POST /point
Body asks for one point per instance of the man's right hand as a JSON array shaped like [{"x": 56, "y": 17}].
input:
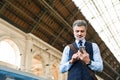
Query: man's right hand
[{"x": 75, "y": 57}]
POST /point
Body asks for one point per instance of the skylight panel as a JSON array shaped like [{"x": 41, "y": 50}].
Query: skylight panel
[{"x": 104, "y": 16}]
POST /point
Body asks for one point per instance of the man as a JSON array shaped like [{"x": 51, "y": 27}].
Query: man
[{"x": 90, "y": 56}]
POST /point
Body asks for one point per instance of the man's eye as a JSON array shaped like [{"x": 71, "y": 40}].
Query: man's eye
[
  {"x": 77, "y": 31},
  {"x": 82, "y": 30}
]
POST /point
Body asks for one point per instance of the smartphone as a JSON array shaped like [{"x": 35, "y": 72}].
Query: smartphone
[{"x": 81, "y": 48}]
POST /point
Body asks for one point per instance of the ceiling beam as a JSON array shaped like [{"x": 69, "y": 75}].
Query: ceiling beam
[
  {"x": 111, "y": 68},
  {"x": 37, "y": 23},
  {"x": 47, "y": 6}
]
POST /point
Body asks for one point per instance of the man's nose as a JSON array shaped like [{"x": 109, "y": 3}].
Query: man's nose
[{"x": 79, "y": 32}]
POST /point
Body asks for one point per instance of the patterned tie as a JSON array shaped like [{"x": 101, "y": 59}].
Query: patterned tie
[{"x": 80, "y": 43}]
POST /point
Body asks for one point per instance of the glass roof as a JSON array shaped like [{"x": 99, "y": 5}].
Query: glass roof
[{"x": 104, "y": 16}]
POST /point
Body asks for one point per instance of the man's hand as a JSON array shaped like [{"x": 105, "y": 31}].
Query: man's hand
[
  {"x": 75, "y": 57},
  {"x": 84, "y": 56}
]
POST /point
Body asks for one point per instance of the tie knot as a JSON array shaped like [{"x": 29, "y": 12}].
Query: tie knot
[{"x": 80, "y": 43}]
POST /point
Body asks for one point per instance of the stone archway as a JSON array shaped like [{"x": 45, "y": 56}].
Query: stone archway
[
  {"x": 37, "y": 66},
  {"x": 10, "y": 53},
  {"x": 55, "y": 72}
]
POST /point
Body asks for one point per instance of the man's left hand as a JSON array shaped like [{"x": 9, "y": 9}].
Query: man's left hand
[{"x": 84, "y": 56}]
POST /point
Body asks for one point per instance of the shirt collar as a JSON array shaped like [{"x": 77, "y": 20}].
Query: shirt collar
[{"x": 83, "y": 41}]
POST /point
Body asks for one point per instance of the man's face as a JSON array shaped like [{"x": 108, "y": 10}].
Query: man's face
[{"x": 79, "y": 32}]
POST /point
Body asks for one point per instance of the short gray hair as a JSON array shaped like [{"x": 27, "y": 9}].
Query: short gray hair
[{"x": 80, "y": 23}]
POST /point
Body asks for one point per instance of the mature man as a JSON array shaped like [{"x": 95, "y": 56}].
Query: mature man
[{"x": 80, "y": 64}]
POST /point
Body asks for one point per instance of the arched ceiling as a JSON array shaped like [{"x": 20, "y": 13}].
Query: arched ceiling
[{"x": 51, "y": 21}]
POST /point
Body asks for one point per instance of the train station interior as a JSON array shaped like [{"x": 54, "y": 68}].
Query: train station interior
[{"x": 33, "y": 34}]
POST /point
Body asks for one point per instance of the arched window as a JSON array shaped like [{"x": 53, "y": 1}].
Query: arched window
[
  {"x": 9, "y": 52},
  {"x": 55, "y": 72},
  {"x": 37, "y": 67}
]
